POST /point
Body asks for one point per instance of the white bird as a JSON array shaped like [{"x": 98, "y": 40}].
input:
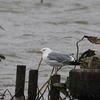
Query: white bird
[{"x": 56, "y": 58}]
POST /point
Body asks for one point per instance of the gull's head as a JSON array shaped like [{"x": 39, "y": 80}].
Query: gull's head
[{"x": 44, "y": 50}]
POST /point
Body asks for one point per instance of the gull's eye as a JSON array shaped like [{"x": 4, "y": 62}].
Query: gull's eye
[{"x": 43, "y": 49}]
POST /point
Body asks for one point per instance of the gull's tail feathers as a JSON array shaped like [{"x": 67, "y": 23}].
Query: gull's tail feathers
[{"x": 76, "y": 62}]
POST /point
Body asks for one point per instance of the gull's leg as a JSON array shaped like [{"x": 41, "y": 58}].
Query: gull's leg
[
  {"x": 56, "y": 68},
  {"x": 55, "y": 72}
]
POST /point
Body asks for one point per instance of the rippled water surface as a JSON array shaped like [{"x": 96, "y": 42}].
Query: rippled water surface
[{"x": 30, "y": 26}]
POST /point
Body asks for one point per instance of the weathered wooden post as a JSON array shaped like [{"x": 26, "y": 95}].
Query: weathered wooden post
[
  {"x": 20, "y": 81},
  {"x": 32, "y": 86},
  {"x": 84, "y": 84},
  {"x": 54, "y": 93}
]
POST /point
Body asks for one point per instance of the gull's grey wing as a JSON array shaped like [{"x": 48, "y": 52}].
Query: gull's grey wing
[{"x": 59, "y": 57}]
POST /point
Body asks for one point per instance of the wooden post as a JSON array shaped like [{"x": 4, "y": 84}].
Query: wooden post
[
  {"x": 32, "y": 86},
  {"x": 20, "y": 81},
  {"x": 54, "y": 93},
  {"x": 85, "y": 84}
]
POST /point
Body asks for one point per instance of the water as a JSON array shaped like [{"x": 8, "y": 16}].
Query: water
[{"x": 30, "y": 26}]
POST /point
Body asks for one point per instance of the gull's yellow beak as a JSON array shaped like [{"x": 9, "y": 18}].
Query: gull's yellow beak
[{"x": 38, "y": 51}]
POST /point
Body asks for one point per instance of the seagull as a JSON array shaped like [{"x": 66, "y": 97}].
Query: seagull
[{"x": 56, "y": 58}]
